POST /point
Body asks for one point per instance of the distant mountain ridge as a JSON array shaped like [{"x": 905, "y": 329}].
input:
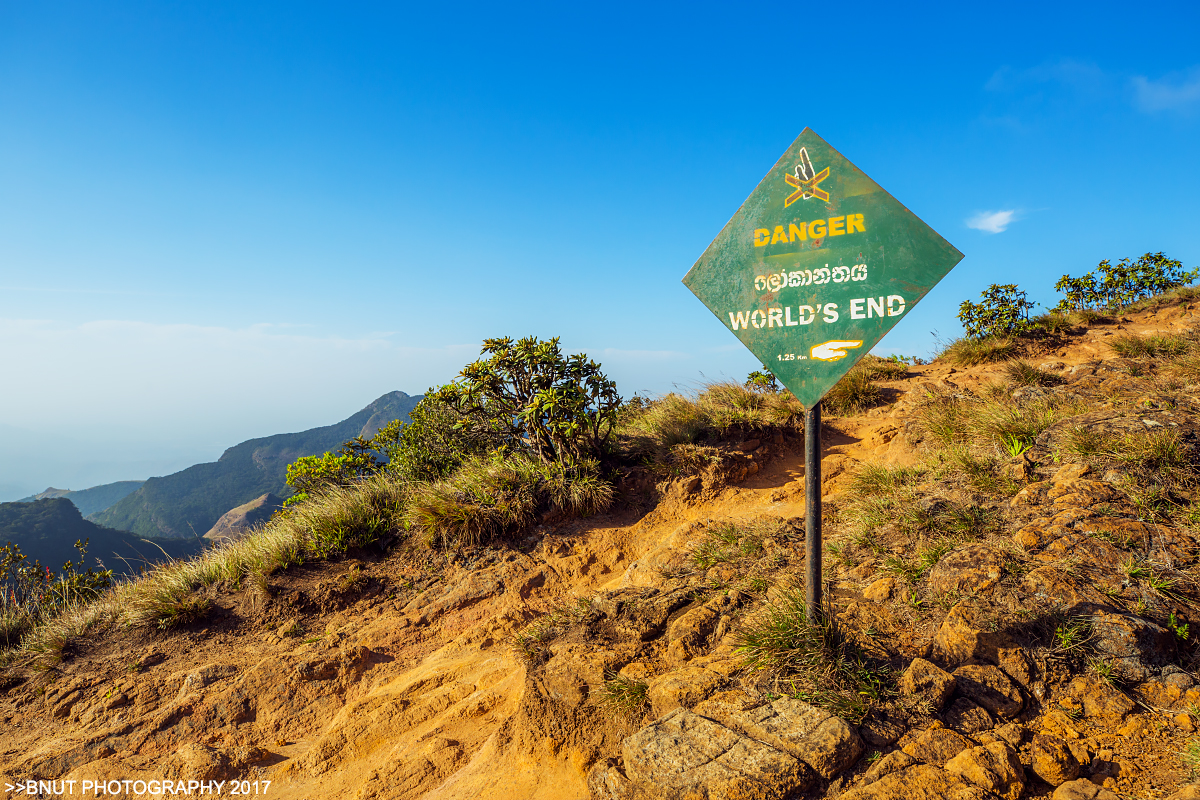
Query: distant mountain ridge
[
  {"x": 188, "y": 503},
  {"x": 89, "y": 501},
  {"x": 47, "y": 529}
]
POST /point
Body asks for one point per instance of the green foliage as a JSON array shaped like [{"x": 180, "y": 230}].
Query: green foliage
[
  {"x": 556, "y": 407},
  {"x": 1003, "y": 312},
  {"x": 725, "y": 543},
  {"x": 437, "y": 440},
  {"x": 762, "y": 381},
  {"x": 355, "y": 459},
  {"x": 31, "y": 592},
  {"x": 1114, "y": 286},
  {"x": 1129, "y": 345},
  {"x": 624, "y": 695},
  {"x": 968, "y": 352}
]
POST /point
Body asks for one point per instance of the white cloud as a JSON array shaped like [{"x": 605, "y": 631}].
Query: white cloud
[
  {"x": 1178, "y": 91},
  {"x": 992, "y": 221}
]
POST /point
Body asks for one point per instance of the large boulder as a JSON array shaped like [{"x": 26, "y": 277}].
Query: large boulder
[
  {"x": 935, "y": 746},
  {"x": 686, "y": 756},
  {"x": 1052, "y": 760},
  {"x": 826, "y": 743},
  {"x": 921, "y": 782},
  {"x": 1134, "y": 646}
]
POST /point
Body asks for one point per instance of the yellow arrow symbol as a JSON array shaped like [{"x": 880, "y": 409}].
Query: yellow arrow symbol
[{"x": 833, "y": 351}]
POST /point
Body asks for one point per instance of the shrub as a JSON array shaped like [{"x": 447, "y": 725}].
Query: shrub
[
  {"x": 762, "y": 380},
  {"x": 437, "y": 439},
  {"x": 1003, "y": 312},
  {"x": 31, "y": 593},
  {"x": 1114, "y": 286},
  {"x": 557, "y": 408}
]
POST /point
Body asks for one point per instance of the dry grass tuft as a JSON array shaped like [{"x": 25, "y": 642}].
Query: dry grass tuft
[{"x": 968, "y": 352}]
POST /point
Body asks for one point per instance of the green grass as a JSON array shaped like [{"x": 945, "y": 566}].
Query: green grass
[
  {"x": 727, "y": 542},
  {"x": 623, "y": 695},
  {"x": 1022, "y": 373},
  {"x": 1128, "y": 345},
  {"x": 968, "y": 352},
  {"x": 812, "y": 658}
]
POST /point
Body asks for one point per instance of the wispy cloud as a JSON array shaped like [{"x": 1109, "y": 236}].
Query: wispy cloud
[
  {"x": 992, "y": 221},
  {"x": 1081, "y": 76},
  {"x": 1177, "y": 91}
]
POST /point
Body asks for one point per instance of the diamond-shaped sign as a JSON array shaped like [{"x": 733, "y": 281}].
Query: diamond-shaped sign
[{"x": 816, "y": 266}]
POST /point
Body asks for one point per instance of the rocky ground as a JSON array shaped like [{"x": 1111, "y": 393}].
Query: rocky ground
[{"x": 1043, "y": 650}]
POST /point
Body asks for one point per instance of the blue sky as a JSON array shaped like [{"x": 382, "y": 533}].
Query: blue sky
[{"x": 225, "y": 220}]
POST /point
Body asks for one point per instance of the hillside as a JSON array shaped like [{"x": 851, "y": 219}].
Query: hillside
[
  {"x": 188, "y": 503},
  {"x": 47, "y": 529},
  {"x": 89, "y": 501},
  {"x": 1005, "y": 626}
]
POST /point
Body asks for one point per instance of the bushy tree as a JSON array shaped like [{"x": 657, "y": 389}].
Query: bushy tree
[
  {"x": 1114, "y": 286},
  {"x": 437, "y": 439},
  {"x": 1003, "y": 311},
  {"x": 559, "y": 408},
  {"x": 762, "y": 380},
  {"x": 354, "y": 460}
]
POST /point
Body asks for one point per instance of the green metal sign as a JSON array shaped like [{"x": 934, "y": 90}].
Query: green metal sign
[{"x": 816, "y": 266}]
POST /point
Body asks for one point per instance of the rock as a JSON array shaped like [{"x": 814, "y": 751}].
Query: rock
[
  {"x": 892, "y": 762},
  {"x": 989, "y": 687},
  {"x": 967, "y": 569},
  {"x": 1132, "y": 644},
  {"x": 880, "y": 591},
  {"x": 1011, "y": 732},
  {"x": 994, "y": 767},
  {"x": 826, "y": 743},
  {"x": 1101, "y": 701},
  {"x": 966, "y": 717},
  {"x": 197, "y": 762},
  {"x": 929, "y": 681},
  {"x": 936, "y": 745},
  {"x": 209, "y": 673},
  {"x": 1082, "y": 493},
  {"x": 920, "y": 782},
  {"x": 1016, "y": 665},
  {"x": 684, "y": 755},
  {"x": 682, "y": 687},
  {"x": 964, "y": 635},
  {"x": 688, "y": 635},
  {"x": 1083, "y": 789},
  {"x": 879, "y": 732},
  {"x": 1052, "y": 760},
  {"x": 1189, "y": 792},
  {"x": 1070, "y": 472}
]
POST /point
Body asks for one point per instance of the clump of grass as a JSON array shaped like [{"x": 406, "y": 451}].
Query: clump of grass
[
  {"x": 1128, "y": 345},
  {"x": 1190, "y": 755},
  {"x": 623, "y": 695},
  {"x": 532, "y": 642},
  {"x": 725, "y": 543},
  {"x": 854, "y": 393},
  {"x": 1022, "y": 373},
  {"x": 1052, "y": 322},
  {"x": 488, "y": 497},
  {"x": 968, "y": 352},
  {"x": 811, "y": 657},
  {"x": 653, "y": 429},
  {"x": 1084, "y": 443}
]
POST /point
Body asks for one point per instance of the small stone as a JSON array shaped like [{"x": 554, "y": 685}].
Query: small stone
[
  {"x": 1184, "y": 722},
  {"x": 994, "y": 767},
  {"x": 1070, "y": 472},
  {"x": 1052, "y": 760},
  {"x": 991, "y": 688},
  {"x": 927, "y": 680},
  {"x": 880, "y": 591}
]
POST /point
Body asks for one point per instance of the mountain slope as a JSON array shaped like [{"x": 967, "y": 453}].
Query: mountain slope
[
  {"x": 89, "y": 501},
  {"x": 188, "y": 503},
  {"x": 47, "y": 530}
]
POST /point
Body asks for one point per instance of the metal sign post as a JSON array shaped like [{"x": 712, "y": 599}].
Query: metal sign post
[{"x": 810, "y": 273}]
